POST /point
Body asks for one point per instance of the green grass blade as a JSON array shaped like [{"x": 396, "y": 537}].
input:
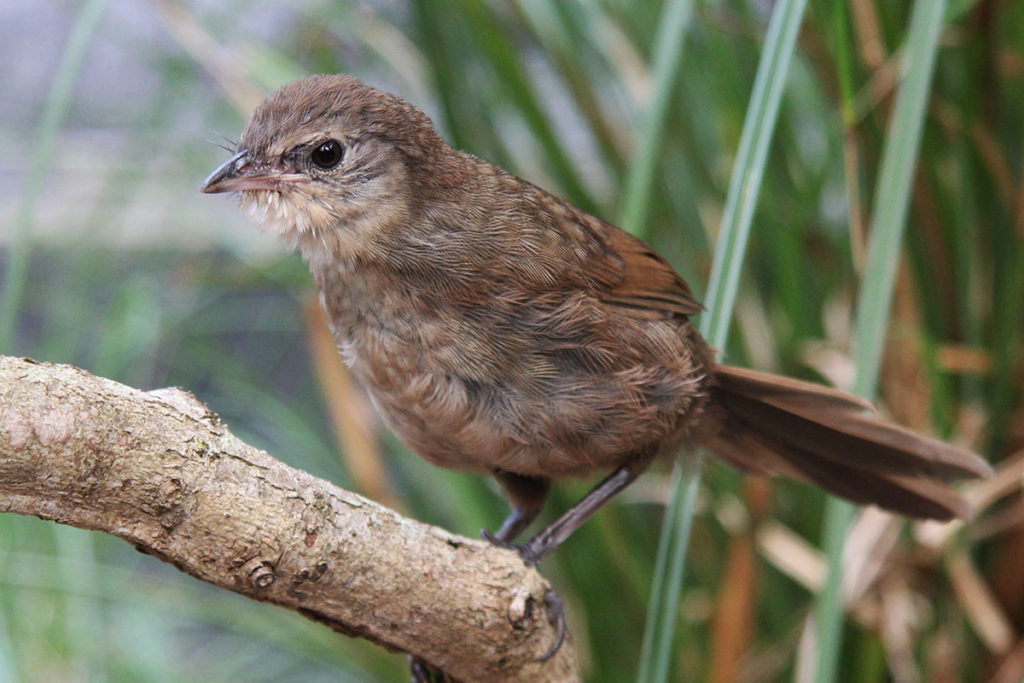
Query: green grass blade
[
  {"x": 744, "y": 188},
  {"x": 561, "y": 29},
  {"x": 659, "y": 629},
  {"x": 749, "y": 169},
  {"x": 668, "y": 53},
  {"x": 53, "y": 115},
  {"x": 892, "y": 199},
  {"x": 496, "y": 43}
]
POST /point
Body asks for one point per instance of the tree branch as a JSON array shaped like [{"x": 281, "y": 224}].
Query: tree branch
[{"x": 159, "y": 470}]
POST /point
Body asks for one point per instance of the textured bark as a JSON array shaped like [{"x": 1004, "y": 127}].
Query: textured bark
[{"x": 161, "y": 471}]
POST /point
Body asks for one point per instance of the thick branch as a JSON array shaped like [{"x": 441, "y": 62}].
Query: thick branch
[{"x": 159, "y": 470}]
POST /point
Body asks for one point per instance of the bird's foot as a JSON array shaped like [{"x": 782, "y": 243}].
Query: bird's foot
[
  {"x": 556, "y": 617},
  {"x": 496, "y": 539},
  {"x": 530, "y": 552},
  {"x": 421, "y": 672}
]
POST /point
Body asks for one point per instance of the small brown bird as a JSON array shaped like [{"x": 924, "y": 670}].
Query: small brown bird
[{"x": 501, "y": 330}]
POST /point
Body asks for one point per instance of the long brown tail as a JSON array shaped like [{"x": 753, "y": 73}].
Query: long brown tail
[{"x": 776, "y": 425}]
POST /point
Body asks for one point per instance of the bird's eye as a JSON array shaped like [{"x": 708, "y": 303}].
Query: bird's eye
[{"x": 327, "y": 154}]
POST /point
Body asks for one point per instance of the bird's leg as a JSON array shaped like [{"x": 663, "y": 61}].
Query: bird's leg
[
  {"x": 526, "y": 495},
  {"x": 553, "y": 534}
]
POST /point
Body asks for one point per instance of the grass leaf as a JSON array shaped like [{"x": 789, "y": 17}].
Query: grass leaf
[
  {"x": 892, "y": 201},
  {"x": 732, "y": 241}
]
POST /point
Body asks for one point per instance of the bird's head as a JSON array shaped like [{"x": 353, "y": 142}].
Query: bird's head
[{"x": 326, "y": 160}]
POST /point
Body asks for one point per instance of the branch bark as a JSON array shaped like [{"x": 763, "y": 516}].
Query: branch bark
[{"x": 161, "y": 471}]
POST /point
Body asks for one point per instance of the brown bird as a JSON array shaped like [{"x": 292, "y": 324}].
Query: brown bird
[{"x": 499, "y": 329}]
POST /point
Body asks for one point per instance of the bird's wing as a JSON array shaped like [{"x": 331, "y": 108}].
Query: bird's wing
[{"x": 647, "y": 286}]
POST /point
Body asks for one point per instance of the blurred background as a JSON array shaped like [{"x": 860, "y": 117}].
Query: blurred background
[{"x": 113, "y": 113}]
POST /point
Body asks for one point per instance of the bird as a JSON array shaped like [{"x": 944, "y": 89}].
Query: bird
[{"x": 502, "y": 330}]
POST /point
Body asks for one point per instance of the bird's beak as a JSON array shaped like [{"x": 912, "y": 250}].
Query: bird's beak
[{"x": 239, "y": 173}]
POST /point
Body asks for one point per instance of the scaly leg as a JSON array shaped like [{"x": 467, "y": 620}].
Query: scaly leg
[
  {"x": 526, "y": 495},
  {"x": 553, "y": 534}
]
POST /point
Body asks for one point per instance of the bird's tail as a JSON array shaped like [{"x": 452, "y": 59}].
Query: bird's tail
[{"x": 776, "y": 425}]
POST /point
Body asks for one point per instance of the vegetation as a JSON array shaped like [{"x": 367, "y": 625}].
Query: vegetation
[{"x": 643, "y": 127}]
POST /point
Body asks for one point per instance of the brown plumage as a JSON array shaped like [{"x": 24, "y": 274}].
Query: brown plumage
[{"x": 502, "y": 330}]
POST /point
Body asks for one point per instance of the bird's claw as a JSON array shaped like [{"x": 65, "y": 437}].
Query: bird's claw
[
  {"x": 556, "y": 617},
  {"x": 421, "y": 672},
  {"x": 552, "y": 603},
  {"x": 527, "y": 552},
  {"x": 494, "y": 539},
  {"x": 530, "y": 554}
]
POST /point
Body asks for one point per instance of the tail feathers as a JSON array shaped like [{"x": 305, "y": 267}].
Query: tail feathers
[{"x": 777, "y": 425}]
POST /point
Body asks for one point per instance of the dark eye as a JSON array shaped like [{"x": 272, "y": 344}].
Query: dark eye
[{"x": 327, "y": 154}]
